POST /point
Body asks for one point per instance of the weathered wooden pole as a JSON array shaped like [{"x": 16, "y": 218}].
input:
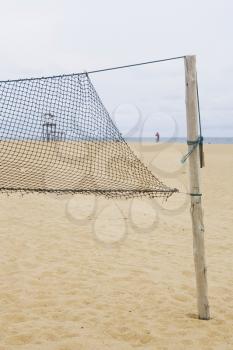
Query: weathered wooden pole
[{"x": 196, "y": 207}]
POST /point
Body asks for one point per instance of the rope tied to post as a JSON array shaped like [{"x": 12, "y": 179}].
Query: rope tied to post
[{"x": 198, "y": 141}]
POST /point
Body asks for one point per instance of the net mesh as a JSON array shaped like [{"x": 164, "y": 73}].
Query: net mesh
[{"x": 57, "y": 136}]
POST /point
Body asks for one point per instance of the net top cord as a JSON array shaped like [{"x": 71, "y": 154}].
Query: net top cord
[
  {"x": 98, "y": 70},
  {"x": 57, "y": 136}
]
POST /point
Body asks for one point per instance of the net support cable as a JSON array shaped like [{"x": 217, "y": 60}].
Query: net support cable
[{"x": 99, "y": 70}]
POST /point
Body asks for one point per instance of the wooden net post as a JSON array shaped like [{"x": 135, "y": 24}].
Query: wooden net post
[{"x": 196, "y": 207}]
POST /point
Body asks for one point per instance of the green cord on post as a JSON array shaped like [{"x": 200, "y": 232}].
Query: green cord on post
[{"x": 200, "y": 139}]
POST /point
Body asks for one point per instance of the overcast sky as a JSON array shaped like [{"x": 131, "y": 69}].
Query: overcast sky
[{"x": 47, "y": 37}]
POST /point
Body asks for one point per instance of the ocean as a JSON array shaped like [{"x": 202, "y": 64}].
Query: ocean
[{"x": 207, "y": 140}]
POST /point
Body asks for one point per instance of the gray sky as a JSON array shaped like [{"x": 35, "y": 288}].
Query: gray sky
[{"x": 47, "y": 37}]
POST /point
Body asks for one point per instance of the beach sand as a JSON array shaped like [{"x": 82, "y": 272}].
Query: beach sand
[{"x": 85, "y": 273}]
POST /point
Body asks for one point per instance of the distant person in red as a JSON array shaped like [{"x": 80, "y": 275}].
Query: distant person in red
[{"x": 157, "y": 136}]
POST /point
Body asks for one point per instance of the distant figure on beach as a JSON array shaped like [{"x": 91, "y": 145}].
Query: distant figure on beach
[{"x": 157, "y": 136}]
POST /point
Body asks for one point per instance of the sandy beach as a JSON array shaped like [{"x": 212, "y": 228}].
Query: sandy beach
[{"x": 85, "y": 273}]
